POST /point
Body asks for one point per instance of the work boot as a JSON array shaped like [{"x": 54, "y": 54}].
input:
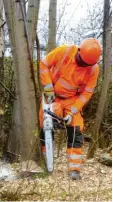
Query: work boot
[{"x": 74, "y": 175}]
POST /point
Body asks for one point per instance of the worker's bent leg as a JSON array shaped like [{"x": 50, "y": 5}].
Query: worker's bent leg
[
  {"x": 74, "y": 148},
  {"x": 75, "y": 143}
]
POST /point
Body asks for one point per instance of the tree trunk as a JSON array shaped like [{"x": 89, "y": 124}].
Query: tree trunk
[
  {"x": 14, "y": 140},
  {"x": 1, "y": 32},
  {"x": 26, "y": 88},
  {"x": 32, "y": 24},
  {"x": 105, "y": 25},
  {"x": 52, "y": 25},
  {"x": 107, "y": 75},
  {"x": 32, "y": 18},
  {"x": 1, "y": 67}
]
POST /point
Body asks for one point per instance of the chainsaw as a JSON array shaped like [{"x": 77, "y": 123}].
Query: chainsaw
[{"x": 50, "y": 122}]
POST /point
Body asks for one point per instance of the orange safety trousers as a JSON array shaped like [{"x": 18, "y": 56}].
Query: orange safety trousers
[{"x": 74, "y": 154}]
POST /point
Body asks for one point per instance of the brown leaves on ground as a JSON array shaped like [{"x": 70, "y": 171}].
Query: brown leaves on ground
[{"x": 95, "y": 184}]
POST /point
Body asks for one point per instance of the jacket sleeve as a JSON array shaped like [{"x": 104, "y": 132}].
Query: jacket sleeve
[
  {"x": 50, "y": 60},
  {"x": 85, "y": 96}
]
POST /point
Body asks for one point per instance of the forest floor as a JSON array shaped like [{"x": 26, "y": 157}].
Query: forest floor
[{"x": 95, "y": 185}]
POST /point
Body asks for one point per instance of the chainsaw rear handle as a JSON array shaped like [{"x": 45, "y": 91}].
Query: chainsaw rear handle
[{"x": 55, "y": 116}]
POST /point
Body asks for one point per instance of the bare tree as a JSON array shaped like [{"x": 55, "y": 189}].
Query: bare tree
[
  {"x": 23, "y": 76},
  {"x": 32, "y": 18},
  {"x": 1, "y": 32},
  {"x": 31, "y": 23},
  {"x": 1, "y": 63},
  {"x": 52, "y": 25},
  {"x": 107, "y": 76}
]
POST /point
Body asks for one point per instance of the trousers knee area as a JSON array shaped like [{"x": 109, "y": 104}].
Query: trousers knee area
[{"x": 75, "y": 137}]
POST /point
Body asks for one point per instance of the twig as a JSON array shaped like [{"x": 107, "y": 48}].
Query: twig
[
  {"x": 7, "y": 90},
  {"x": 2, "y": 25}
]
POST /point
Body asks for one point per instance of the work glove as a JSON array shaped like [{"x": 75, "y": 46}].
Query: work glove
[
  {"x": 49, "y": 94},
  {"x": 69, "y": 116},
  {"x": 68, "y": 119}
]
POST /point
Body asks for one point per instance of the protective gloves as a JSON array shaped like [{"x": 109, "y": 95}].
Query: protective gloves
[
  {"x": 68, "y": 119},
  {"x": 49, "y": 93}
]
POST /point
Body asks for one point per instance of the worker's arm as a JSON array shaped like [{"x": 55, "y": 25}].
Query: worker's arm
[
  {"x": 84, "y": 97},
  {"x": 50, "y": 60}
]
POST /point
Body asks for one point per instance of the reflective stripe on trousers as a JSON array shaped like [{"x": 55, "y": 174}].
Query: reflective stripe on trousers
[{"x": 75, "y": 161}]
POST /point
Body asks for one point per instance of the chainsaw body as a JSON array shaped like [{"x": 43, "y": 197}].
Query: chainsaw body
[{"x": 47, "y": 128}]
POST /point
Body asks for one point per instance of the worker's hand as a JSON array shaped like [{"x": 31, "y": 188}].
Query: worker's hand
[
  {"x": 49, "y": 93},
  {"x": 68, "y": 119},
  {"x": 50, "y": 99}
]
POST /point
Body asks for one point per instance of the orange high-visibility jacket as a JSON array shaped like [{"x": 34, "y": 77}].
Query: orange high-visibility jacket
[{"x": 60, "y": 70}]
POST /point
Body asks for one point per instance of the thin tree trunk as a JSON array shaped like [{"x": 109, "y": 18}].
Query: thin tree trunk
[
  {"x": 1, "y": 66},
  {"x": 105, "y": 25},
  {"x": 30, "y": 51},
  {"x": 26, "y": 88},
  {"x": 32, "y": 18},
  {"x": 52, "y": 25},
  {"x": 14, "y": 140},
  {"x": 1, "y": 32},
  {"x": 32, "y": 15},
  {"x": 107, "y": 75}
]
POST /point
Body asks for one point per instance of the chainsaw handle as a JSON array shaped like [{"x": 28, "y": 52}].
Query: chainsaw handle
[{"x": 53, "y": 115}]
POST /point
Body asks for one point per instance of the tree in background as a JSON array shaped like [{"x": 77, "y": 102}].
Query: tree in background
[
  {"x": 68, "y": 32},
  {"x": 107, "y": 58},
  {"x": 32, "y": 19},
  {"x": 24, "y": 77},
  {"x": 1, "y": 65},
  {"x": 89, "y": 26},
  {"x": 52, "y": 25}
]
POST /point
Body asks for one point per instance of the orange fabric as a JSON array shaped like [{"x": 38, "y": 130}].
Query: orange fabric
[
  {"x": 74, "y": 163},
  {"x": 57, "y": 109},
  {"x": 66, "y": 105},
  {"x": 74, "y": 151},
  {"x": 72, "y": 169},
  {"x": 71, "y": 78},
  {"x": 90, "y": 51},
  {"x": 85, "y": 94},
  {"x": 43, "y": 149},
  {"x": 47, "y": 64}
]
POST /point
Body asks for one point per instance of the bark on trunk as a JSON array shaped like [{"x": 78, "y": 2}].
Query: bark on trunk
[
  {"x": 32, "y": 18},
  {"x": 14, "y": 140},
  {"x": 26, "y": 88},
  {"x": 52, "y": 25},
  {"x": 1, "y": 66},
  {"x": 107, "y": 75}
]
